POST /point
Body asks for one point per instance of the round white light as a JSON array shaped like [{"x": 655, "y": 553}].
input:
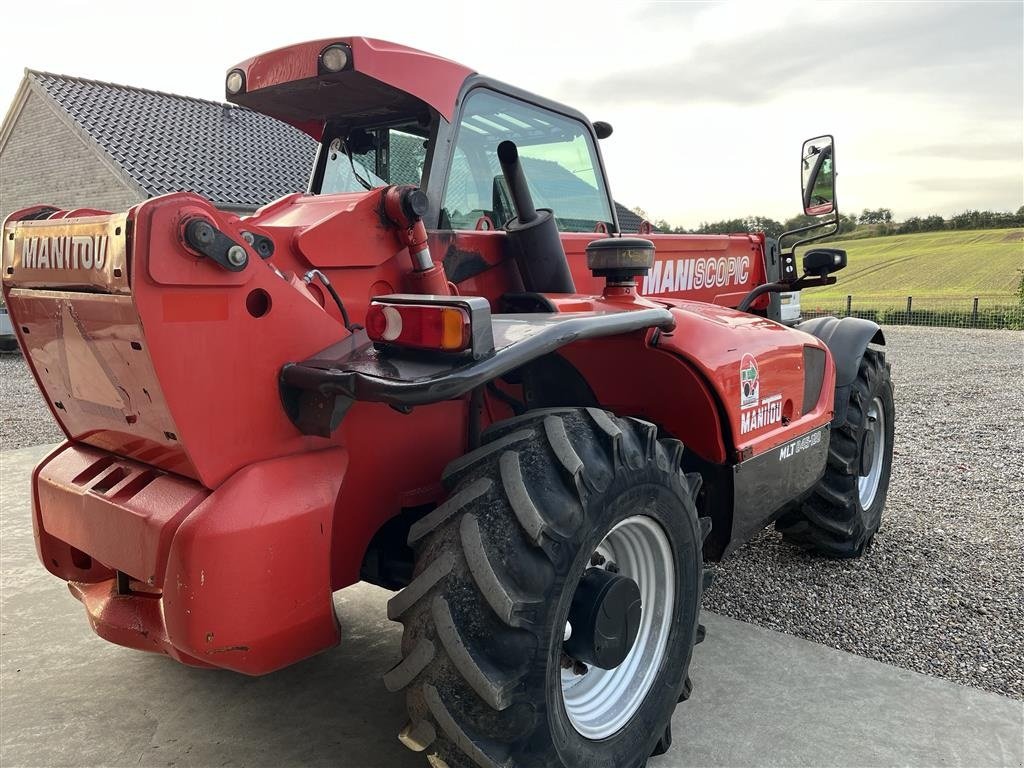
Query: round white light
[
  {"x": 334, "y": 58},
  {"x": 393, "y": 328},
  {"x": 235, "y": 81}
]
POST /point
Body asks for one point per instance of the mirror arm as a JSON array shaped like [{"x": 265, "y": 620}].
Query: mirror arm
[
  {"x": 799, "y": 284},
  {"x": 807, "y": 281},
  {"x": 792, "y": 248},
  {"x": 835, "y": 228}
]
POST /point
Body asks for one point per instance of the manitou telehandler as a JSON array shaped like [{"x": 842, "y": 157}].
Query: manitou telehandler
[{"x": 441, "y": 369}]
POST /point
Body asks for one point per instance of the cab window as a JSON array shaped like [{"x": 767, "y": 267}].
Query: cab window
[
  {"x": 558, "y": 157},
  {"x": 365, "y": 159}
]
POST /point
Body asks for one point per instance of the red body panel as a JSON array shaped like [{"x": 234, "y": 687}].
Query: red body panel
[
  {"x": 715, "y": 340},
  {"x": 736, "y": 264},
  {"x": 180, "y": 376},
  {"x": 237, "y": 578},
  {"x": 122, "y": 513},
  {"x": 430, "y": 78},
  {"x": 183, "y": 473}
]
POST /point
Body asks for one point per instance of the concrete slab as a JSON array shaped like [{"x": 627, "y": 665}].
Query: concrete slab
[{"x": 761, "y": 698}]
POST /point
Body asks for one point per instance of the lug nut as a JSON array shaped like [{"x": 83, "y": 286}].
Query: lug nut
[
  {"x": 597, "y": 559},
  {"x": 237, "y": 256}
]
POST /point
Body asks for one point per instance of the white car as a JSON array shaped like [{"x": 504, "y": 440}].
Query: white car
[
  {"x": 7, "y": 340},
  {"x": 790, "y": 302}
]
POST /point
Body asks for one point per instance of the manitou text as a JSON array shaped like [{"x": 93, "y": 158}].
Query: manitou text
[{"x": 70, "y": 252}]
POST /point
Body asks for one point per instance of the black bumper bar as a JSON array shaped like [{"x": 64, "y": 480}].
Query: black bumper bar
[{"x": 317, "y": 392}]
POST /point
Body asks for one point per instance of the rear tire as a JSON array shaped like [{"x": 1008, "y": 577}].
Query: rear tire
[
  {"x": 496, "y": 569},
  {"x": 844, "y": 511}
]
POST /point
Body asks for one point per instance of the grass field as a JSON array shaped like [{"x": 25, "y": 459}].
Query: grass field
[{"x": 936, "y": 268}]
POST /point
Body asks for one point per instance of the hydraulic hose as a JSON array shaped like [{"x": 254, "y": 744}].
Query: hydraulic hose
[
  {"x": 316, "y": 273},
  {"x": 761, "y": 290}
]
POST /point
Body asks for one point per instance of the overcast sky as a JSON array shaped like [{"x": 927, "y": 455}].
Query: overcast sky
[{"x": 710, "y": 101}]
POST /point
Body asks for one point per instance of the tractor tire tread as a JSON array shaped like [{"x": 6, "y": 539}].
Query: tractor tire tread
[
  {"x": 486, "y": 567},
  {"x": 830, "y": 521}
]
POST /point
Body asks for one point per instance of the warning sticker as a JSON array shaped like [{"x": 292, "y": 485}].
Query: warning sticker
[{"x": 750, "y": 389}]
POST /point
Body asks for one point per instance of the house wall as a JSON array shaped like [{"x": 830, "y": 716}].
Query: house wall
[{"x": 45, "y": 161}]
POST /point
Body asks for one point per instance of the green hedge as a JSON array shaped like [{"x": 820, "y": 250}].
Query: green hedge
[{"x": 1007, "y": 317}]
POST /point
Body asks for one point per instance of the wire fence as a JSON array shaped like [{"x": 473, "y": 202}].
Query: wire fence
[{"x": 938, "y": 311}]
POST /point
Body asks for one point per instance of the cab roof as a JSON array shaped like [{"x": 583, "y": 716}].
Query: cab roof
[{"x": 381, "y": 79}]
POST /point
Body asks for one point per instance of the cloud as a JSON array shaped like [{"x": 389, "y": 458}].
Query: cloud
[
  {"x": 1000, "y": 151},
  {"x": 968, "y": 55},
  {"x": 1004, "y": 187}
]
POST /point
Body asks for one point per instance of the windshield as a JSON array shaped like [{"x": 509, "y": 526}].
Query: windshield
[
  {"x": 558, "y": 157},
  {"x": 370, "y": 158}
]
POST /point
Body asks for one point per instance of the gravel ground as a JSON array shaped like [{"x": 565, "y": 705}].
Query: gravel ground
[
  {"x": 940, "y": 590},
  {"x": 24, "y": 419}
]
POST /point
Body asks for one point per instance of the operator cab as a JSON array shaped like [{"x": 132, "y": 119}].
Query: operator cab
[
  {"x": 558, "y": 154},
  {"x": 386, "y": 114}
]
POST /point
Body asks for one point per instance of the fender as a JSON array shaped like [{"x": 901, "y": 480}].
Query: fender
[
  {"x": 316, "y": 393},
  {"x": 847, "y": 339}
]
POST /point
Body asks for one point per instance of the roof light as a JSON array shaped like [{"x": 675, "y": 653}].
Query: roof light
[
  {"x": 422, "y": 326},
  {"x": 235, "y": 81},
  {"x": 334, "y": 58}
]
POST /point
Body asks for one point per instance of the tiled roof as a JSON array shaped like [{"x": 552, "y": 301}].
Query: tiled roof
[
  {"x": 628, "y": 221},
  {"x": 168, "y": 143},
  {"x": 228, "y": 154}
]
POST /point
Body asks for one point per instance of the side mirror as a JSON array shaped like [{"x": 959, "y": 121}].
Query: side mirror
[
  {"x": 819, "y": 262},
  {"x": 818, "y": 176}
]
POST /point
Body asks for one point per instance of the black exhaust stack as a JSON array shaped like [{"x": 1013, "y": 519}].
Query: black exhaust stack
[{"x": 533, "y": 234}]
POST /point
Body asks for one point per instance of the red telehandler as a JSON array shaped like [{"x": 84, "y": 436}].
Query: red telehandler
[{"x": 442, "y": 369}]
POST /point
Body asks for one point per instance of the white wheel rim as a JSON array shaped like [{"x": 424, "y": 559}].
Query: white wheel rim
[
  {"x": 600, "y": 702},
  {"x": 867, "y": 486}
]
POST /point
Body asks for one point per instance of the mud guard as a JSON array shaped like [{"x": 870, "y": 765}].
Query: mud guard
[
  {"x": 317, "y": 392},
  {"x": 847, "y": 338}
]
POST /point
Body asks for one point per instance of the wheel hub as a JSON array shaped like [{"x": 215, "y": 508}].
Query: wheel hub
[
  {"x": 600, "y": 701},
  {"x": 867, "y": 453},
  {"x": 605, "y": 618},
  {"x": 872, "y": 454}
]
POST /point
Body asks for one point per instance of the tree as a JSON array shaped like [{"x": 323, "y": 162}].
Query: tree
[
  {"x": 847, "y": 223},
  {"x": 878, "y": 216},
  {"x": 770, "y": 227},
  {"x": 913, "y": 224},
  {"x": 726, "y": 227},
  {"x": 800, "y": 220}
]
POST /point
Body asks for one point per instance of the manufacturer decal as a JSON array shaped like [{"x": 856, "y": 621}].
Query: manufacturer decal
[
  {"x": 799, "y": 445},
  {"x": 768, "y": 412},
  {"x": 677, "y": 275},
  {"x": 71, "y": 252},
  {"x": 750, "y": 388}
]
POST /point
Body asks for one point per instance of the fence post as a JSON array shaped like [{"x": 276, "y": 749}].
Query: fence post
[
  {"x": 849, "y": 300},
  {"x": 974, "y": 314},
  {"x": 910, "y": 303}
]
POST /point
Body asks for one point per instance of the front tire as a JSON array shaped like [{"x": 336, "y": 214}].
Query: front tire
[
  {"x": 844, "y": 511},
  {"x": 549, "y": 496}
]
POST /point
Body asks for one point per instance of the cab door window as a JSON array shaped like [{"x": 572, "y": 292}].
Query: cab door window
[
  {"x": 558, "y": 157},
  {"x": 366, "y": 159}
]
